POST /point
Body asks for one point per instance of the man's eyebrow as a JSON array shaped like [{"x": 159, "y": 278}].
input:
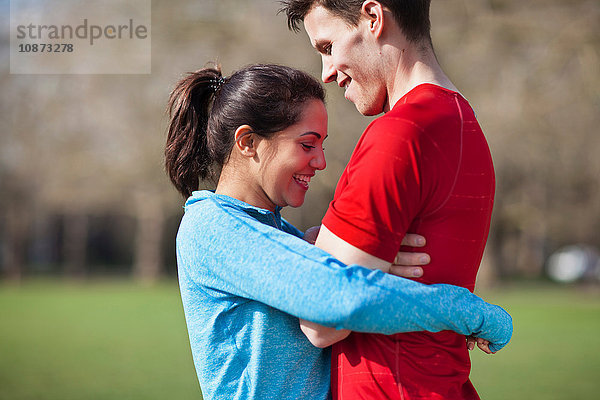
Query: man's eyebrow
[{"x": 320, "y": 45}]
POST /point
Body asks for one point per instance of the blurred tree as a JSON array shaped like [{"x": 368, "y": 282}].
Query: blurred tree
[
  {"x": 79, "y": 146},
  {"x": 529, "y": 69}
]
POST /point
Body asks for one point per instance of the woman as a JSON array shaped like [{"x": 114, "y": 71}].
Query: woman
[{"x": 245, "y": 274}]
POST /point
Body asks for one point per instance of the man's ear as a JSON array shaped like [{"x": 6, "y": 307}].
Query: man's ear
[
  {"x": 245, "y": 141},
  {"x": 373, "y": 11}
]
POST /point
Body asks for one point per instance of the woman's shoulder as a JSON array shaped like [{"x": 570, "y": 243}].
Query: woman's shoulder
[
  {"x": 209, "y": 209},
  {"x": 291, "y": 229}
]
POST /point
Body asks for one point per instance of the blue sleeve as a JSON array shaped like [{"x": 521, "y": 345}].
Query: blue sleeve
[{"x": 224, "y": 249}]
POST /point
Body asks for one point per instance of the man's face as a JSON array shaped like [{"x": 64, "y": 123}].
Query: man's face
[{"x": 350, "y": 58}]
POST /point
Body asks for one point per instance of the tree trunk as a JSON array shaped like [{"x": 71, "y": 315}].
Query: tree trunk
[
  {"x": 147, "y": 266},
  {"x": 16, "y": 226},
  {"x": 75, "y": 244}
]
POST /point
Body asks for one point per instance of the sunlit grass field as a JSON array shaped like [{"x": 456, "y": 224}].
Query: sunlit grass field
[{"x": 118, "y": 340}]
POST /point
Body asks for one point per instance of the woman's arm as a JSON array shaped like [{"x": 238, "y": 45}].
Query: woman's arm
[
  {"x": 405, "y": 265},
  {"x": 322, "y": 336},
  {"x": 224, "y": 249}
]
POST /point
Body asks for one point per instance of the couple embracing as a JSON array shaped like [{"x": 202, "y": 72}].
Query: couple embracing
[{"x": 271, "y": 315}]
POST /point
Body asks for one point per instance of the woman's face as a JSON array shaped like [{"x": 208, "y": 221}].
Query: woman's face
[{"x": 289, "y": 160}]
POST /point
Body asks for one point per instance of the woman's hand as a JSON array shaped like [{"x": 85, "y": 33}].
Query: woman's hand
[
  {"x": 311, "y": 234},
  {"x": 407, "y": 264},
  {"x": 481, "y": 343}
]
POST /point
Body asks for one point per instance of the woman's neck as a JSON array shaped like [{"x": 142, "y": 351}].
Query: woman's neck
[{"x": 234, "y": 182}]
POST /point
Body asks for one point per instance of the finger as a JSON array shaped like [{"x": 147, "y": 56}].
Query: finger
[
  {"x": 485, "y": 347},
  {"x": 412, "y": 259},
  {"x": 311, "y": 234},
  {"x": 470, "y": 342},
  {"x": 406, "y": 272},
  {"x": 413, "y": 240}
]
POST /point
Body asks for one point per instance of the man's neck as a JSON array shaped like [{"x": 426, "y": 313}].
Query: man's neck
[{"x": 415, "y": 67}]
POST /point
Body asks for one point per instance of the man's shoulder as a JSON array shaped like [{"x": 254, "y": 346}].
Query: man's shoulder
[
  {"x": 425, "y": 103},
  {"x": 404, "y": 122},
  {"x": 421, "y": 112}
]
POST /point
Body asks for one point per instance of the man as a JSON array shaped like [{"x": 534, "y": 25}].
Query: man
[{"x": 423, "y": 167}]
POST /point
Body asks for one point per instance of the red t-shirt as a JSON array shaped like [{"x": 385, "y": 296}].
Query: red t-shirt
[{"x": 424, "y": 167}]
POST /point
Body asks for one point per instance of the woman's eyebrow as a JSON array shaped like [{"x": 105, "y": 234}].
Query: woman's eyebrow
[{"x": 318, "y": 135}]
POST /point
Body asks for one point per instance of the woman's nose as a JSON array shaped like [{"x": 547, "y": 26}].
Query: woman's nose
[{"x": 318, "y": 162}]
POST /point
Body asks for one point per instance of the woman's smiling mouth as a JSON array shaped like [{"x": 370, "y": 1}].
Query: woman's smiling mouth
[{"x": 302, "y": 180}]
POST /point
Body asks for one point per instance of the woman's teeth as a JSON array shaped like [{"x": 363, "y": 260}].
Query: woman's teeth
[{"x": 304, "y": 180}]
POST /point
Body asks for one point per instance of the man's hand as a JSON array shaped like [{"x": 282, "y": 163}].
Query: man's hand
[{"x": 407, "y": 264}]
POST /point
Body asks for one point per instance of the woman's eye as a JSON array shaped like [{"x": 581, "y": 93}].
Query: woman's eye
[
  {"x": 327, "y": 49},
  {"x": 307, "y": 147}
]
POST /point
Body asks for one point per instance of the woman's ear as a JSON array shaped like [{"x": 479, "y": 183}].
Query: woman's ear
[{"x": 245, "y": 141}]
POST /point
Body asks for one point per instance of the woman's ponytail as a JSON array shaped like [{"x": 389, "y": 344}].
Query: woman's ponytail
[{"x": 187, "y": 156}]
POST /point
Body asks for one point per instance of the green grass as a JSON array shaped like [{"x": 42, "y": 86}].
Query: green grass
[
  {"x": 555, "y": 350},
  {"x": 118, "y": 340},
  {"x": 94, "y": 341}
]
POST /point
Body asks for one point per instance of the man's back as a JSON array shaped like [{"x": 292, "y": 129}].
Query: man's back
[{"x": 424, "y": 168}]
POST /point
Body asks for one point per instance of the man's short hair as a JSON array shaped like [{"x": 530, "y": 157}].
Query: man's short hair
[{"x": 411, "y": 15}]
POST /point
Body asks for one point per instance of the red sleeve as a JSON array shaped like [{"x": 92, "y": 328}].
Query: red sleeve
[{"x": 380, "y": 191}]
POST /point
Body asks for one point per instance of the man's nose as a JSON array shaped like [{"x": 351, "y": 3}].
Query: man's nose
[{"x": 329, "y": 73}]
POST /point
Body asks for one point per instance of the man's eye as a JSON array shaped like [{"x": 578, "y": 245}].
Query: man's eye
[{"x": 307, "y": 147}]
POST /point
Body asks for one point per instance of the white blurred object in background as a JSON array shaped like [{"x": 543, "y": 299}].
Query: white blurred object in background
[{"x": 574, "y": 263}]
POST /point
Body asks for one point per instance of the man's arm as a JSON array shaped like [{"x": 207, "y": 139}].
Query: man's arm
[
  {"x": 347, "y": 253},
  {"x": 406, "y": 264}
]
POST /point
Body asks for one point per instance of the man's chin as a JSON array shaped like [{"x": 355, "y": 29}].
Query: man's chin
[
  {"x": 369, "y": 108},
  {"x": 368, "y": 111}
]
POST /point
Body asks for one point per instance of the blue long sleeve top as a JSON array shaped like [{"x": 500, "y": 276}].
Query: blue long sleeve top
[{"x": 246, "y": 276}]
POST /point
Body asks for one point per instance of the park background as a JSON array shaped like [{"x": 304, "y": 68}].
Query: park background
[{"x": 89, "y": 305}]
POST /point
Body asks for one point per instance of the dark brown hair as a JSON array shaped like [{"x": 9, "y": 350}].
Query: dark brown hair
[
  {"x": 411, "y": 15},
  {"x": 205, "y": 109}
]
